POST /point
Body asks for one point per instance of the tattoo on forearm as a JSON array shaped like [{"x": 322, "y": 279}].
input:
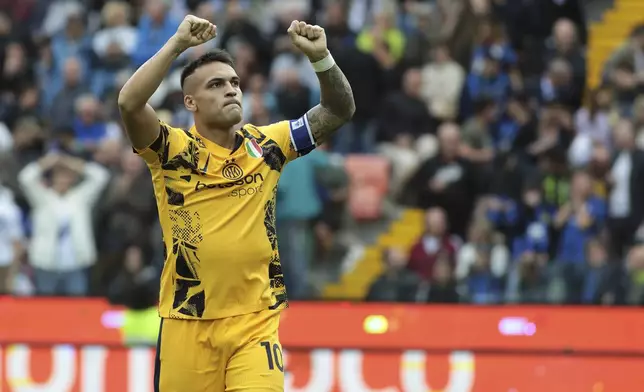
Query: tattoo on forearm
[{"x": 336, "y": 105}]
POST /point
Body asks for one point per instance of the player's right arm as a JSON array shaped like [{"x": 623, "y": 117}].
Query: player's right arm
[{"x": 139, "y": 118}]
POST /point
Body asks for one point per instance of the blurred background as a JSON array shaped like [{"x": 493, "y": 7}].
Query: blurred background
[{"x": 495, "y": 155}]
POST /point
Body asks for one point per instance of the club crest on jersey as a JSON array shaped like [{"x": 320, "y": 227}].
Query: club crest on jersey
[
  {"x": 253, "y": 149},
  {"x": 232, "y": 171}
]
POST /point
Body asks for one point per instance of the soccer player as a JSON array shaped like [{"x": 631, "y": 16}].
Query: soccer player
[{"x": 222, "y": 287}]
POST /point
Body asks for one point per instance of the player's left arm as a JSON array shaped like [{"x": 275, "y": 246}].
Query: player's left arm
[{"x": 336, "y": 104}]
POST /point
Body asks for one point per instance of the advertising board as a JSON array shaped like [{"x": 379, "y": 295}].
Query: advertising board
[{"x": 51, "y": 345}]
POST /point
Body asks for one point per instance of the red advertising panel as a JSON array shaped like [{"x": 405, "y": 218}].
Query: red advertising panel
[
  {"x": 77, "y": 346},
  {"x": 101, "y": 369},
  {"x": 365, "y": 326}
]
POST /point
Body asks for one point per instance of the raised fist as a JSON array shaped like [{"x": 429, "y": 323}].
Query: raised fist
[
  {"x": 194, "y": 31},
  {"x": 309, "y": 39}
]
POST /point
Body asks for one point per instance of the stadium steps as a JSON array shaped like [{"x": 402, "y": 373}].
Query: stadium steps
[
  {"x": 353, "y": 284},
  {"x": 609, "y": 33}
]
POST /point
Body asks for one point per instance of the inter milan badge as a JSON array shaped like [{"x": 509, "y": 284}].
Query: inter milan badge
[{"x": 253, "y": 149}]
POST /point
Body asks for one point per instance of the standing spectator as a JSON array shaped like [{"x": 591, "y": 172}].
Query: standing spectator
[
  {"x": 257, "y": 90},
  {"x": 339, "y": 35},
  {"x": 62, "y": 244},
  {"x": 528, "y": 227},
  {"x": 446, "y": 181},
  {"x": 239, "y": 28},
  {"x": 558, "y": 85},
  {"x": 17, "y": 72},
  {"x": 155, "y": 27},
  {"x": 573, "y": 10},
  {"x": 11, "y": 240},
  {"x": 383, "y": 39},
  {"x": 625, "y": 211},
  {"x": 28, "y": 142},
  {"x": 517, "y": 127},
  {"x": 57, "y": 15},
  {"x": 478, "y": 145},
  {"x": 593, "y": 121},
  {"x": 292, "y": 97},
  {"x": 136, "y": 285},
  {"x": 403, "y": 113},
  {"x": 442, "y": 287},
  {"x": 127, "y": 209},
  {"x": 488, "y": 80},
  {"x": 74, "y": 41},
  {"x": 555, "y": 176},
  {"x": 442, "y": 84},
  {"x": 298, "y": 205},
  {"x": 625, "y": 69},
  {"x": 63, "y": 107},
  {"x": 578, "y": 221},
  {"x": 564, "y": 44},
  {"x": 89, "y": 126},
  {"x": 396, "y": 283},
  {"x": 435, "y": 241},
  {"x": 481, "y": 242},
  {"x": 113, "y": 45},
  {"x": 601, "y": 284}
]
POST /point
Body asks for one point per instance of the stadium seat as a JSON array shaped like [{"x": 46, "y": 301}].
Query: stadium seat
[{"x": 369, "y": 183}]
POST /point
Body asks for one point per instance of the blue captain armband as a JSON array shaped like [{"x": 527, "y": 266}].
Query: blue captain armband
[{"x": 301, "y": 135}]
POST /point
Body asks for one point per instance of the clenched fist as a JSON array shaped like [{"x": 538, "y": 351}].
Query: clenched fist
[
  {"x": 309, "y": 39},
  {"x": 194, "y": 31}
]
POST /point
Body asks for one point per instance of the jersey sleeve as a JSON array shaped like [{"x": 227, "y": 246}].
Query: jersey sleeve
[
  {"x": 169, "y": 143},
  {"x": 293, "y": 136}
]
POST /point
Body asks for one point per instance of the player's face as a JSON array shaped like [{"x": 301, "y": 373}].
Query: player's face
[{"x": 217, "y": 97}]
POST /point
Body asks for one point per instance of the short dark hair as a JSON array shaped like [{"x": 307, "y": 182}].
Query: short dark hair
[{"x": 214, "y": 56}]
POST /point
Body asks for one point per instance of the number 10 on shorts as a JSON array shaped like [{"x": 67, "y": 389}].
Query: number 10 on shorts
[{"x": 274, "y": 356}]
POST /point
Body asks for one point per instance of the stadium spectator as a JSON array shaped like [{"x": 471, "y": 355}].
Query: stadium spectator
[
  {"x": 62, "y": 104},
  {"x": 113, "y": 46},
  {"x": 564, "y": 44},
  {"x": 447, "y": 181},
  {"x": 478, "y": 145},
  {"x": 62, "y": 243},
  {"x": 155, "y": 27},
  {"x": 482, "y": 263},
  {"x": 442, "y": 287},
  {"x": 396, "y": 283},
  {"x": 527, "y": 226},
  {"x": 136, "y": 285},
  {"x": 89, "y": 127},
  {"x": 442, "y": 84},
  {"x": 601, "y": 281},
  {"x": 403, "y": 113},
  {"x": 126, "y": 211},
  {"x": 624, "y": 70},
  {"x": 593, "y": 122},
  {"x": 558, "y": 85},
  {"x": 437, "y": 242},
  {"x": 11, "y": 240},
  {"x": 625, "y": 213},
  {"x": 299, "y": 204}
]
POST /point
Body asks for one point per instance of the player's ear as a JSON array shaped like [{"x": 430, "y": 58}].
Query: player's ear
[{"x": 189, "y": 103}]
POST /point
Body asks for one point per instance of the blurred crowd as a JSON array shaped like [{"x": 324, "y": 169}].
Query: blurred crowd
[{"x": 533, "y": 185}]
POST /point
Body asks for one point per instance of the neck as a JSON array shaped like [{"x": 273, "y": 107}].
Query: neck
[{"x": 224, "y": 137}]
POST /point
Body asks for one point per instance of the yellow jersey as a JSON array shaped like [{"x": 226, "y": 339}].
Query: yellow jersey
[{"x": 217, "y": 214}]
